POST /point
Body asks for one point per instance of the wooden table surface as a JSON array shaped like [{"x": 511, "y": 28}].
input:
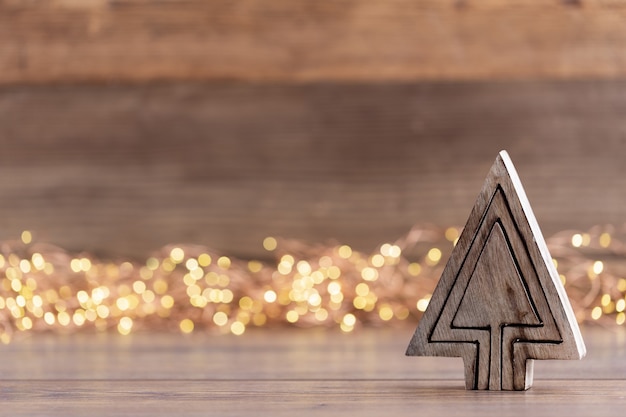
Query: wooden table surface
[{"x": 289, "y": 372}]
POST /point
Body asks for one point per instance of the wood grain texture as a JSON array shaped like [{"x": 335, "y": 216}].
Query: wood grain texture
[
  {"x": 138, "y": 40},
  {"x": 305, "y": 398},
  {"x": 121, "y": 170},
  {"x": 293, "y": 354},
  {"x": 287, "y": 372},
  {"x": 500, "y": 303}
]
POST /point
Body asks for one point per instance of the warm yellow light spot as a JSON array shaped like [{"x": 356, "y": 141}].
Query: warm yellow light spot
[
  {"x": 25, "y": 266},
  {"x": 395, "y": 251},
  {"x": 555, "y": 263},
  {"x": 16, "y": 285},
  {"x": 198, "y": 301},
  {"x": 336, "y": 298},
  {"x": 177, "y": 255},
  {"x": 563, "y": 279},
  {"x": 27, "y": 237},
  {"x": 85, "y": 264},
  {"x": 5, "y": 338},
  {"x": 359, "y": 302},
  {"x": 48, "y": 318},
  {"x": 122, "y": 303},
  {"x": 186, "y": 326},
  {"x": 586, "y": 239},
  {"x": 91, "y": 315},
  {"x": 385, "y": 312},
  {"x": 167, "y": 301},
  {"x": 237, "y": 328},
  {"x": 102, "y": 311},
  {"x": 620, "y": 305},
  {"x": 369, "y": 274},
  {"x": 196, "y": 274},
  {"x": 223, "y": 280},
  {"x": 168, "y": 265},
  {"x": 27, "y": 323},
  {"x": 255, "y": 266},
  {"x": 434, "y": 256},
  {"x": 577, "y": 240},
  {"x": 609, "y": 308},
  {"x": 362, "y": 289},
  {"x": 63, "y": 318},
  {"x": 349, "y": 319},
  {"x": 344, "y": 251},
  {"x": 333, "y": 272},
  {"x": 211, "y": 278},
  {"x": 414, "y": 269},
  {"x": 245, "y": 303},
  {"x": 152, "y": 264},
  {"x": 621, "y": 285},
  {"x": 422, "y": 304},
  {"x": 269, "y": 243},
  {"x": 38, "y": 261},
  {"x": 284, "y": 267},
  {"x": 292, "y": 316},
  {"x": 125, "y": 325},
  {"x": 377, "y": 260},
  {"x": 321, "y": 314},
  {"x": 14, "y": 260},
  {"x": 317, "y": 277},
  {"x": 620, "y": 319},
  {"x": 596, "y": 313},
  {"x": 259, "y": 319},
  {"x": 269, "y": 296},
  {"x": 79, "y": 318},
  {"x": 334, "y": 287},
  {"x": 402, "y": 313},
  {"x": 325, "y": 261},
  {"x": 20, "y": 300},
  {"x": 139, "y": 287},
  {"x": 451, "y": 234},
  {"x": 193, "y": 290},
  {"x": 605, "y": 240},
  {"x": 314, "y": 300},
  {"x": 13, "y": 273},
  {"x": 598, "y": 267},
  {"x": 223, "y": 262},
  {"x": 605, "y": 300},
  {"x": 227, "y": 296},
  {"x": 37, "y": 301},
  {"x": 160, "y": 286},
  {"x": 82, "y": 296},
  {"x": 75, "y": 265},
  {"x": 304, "y": 268},
  {"x": 191, "y": 264},
  {"x": 345, "y": 328},
  {"x": 220, "y": 318},
  {"x": 204, "y": 259}
]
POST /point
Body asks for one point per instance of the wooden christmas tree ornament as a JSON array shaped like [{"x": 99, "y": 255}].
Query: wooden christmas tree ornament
[{"x": 500, "y": 303}]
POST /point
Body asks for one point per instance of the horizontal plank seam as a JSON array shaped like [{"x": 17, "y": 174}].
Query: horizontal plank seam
[{"x": 283, "y": 380}]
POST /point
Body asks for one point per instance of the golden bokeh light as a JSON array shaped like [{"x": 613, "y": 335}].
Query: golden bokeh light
[{"x": 194, "y": 288}]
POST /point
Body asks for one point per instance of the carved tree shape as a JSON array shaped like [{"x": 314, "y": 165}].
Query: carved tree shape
[{"x": 499, "y": 303}]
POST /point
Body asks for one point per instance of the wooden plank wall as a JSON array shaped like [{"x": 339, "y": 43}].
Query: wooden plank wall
[
  {"x": 126, "y": 125},
  {"x": 69, "y": 40}
]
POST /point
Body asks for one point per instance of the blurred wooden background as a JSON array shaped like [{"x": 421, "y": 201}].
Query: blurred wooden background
[{"x": 129, "y": 124}]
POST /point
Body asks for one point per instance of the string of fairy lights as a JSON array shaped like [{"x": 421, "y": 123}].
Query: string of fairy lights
[{"x": 190, "y": 288}]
